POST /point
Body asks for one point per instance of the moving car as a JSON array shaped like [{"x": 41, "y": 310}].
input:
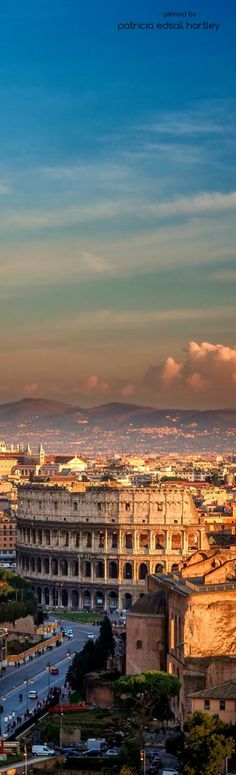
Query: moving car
[
  {"x": 42, "y": 750},
  {"x": 53, "y": 670},
  {"x": 33, "y": 695}
]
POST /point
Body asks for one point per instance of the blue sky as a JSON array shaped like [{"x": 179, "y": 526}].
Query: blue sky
[{"x": 117, "y": 203}]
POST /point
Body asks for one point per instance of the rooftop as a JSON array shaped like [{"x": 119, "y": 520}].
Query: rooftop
[{"x": 225, "y": 691}]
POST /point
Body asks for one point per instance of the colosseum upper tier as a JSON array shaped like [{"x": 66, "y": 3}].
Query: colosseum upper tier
[{"x": 92, "y": 549}]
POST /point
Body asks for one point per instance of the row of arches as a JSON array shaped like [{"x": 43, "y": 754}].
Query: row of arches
[
  {"x": 86, "y": 569},
  {"x": 86, "y": 539},
  {"x": 85, "y": 600}
]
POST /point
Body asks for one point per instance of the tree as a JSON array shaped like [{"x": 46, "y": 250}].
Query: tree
[
  {"x": 205, "y": 744},
  {"x": 105, "y": 642},
  {"x": 148, "y": 694}
]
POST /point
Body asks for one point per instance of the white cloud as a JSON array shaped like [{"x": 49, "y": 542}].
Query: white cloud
[{"x": 207, "y": 368}]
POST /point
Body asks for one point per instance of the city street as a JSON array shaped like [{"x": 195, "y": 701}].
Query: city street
[{"x": 35, "y": 675}]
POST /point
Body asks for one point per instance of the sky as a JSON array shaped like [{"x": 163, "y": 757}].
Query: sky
[{"x": 118, "y": 202}]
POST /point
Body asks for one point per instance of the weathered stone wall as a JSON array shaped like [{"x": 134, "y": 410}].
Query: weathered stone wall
[
  {"x": 145, "y": 643},
  {"x": 210, "y": 624}
]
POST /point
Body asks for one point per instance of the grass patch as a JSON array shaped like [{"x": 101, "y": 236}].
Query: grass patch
[{"x": 81, "y": 616}]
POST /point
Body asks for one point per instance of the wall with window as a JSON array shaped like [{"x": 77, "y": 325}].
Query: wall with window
[{"x": 144, "y": 643}]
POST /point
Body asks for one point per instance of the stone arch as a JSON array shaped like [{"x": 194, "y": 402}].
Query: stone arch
[
  {"x": 176, "y": 541},
  {"x": 47, "y": 537},
  {"x": 27, "y": 563},
  {"x": 127, "y": 601},
  {"x": 64, "y": 597},
  {"x": 88, "y": 535},
  {"x": 87, "y": 569},
  {"x": 33, "y": 535},
  {"x": 32, "y": 564},
  {"x": 143, "y": 571},
  {"x": 192, "y": 541},
  {"x": 113, "y": 601},
  {"x": 38, "y": 564},
  {"x": 75, "y": 599},
  {"x": 159, "y": 568},
  {"x": 113, "y": 570},
  {"x": 55, "y": 596},
  {"x": 64, "y": 538},
  {"x": 144, "y": 540},
  {"x": 174, "y": 568},
  {"x": 127, "y": 570},
  {"x": 87, "y": 600},
  {"x": 46, "y": 565},
  {"x": 75, "y": 568},
  {"x": 160, "y": 540},
  {"x": 46, "y": 595},
  {"x": 64, "y": 568},
  {"x": 128, "y": 539},
  {"x": 100, "y": 569},
  {"x": 39, "y": 536},
  {"x": 99, "y": 600},
  {"x": 54, "y": 567}
]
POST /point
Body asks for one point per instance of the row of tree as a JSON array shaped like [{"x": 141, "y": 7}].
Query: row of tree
[{"x": 93, "y": 656}]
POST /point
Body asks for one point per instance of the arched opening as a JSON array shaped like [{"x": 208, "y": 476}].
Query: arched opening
[
  {"x": 143, "y": 570},
  {"x": 128, "y": 541},
  {"x": 113, "y": 601},
  {"x": 77, "y": 540},
  {"x": 64, "y": 568},
  {"x": 47, "y": 537},
  {"x": 127, "y": 601},
  {"x": 143, "y": 540},
  {"x": 175, "y": 568},
  {"x": 64, "y": 538},
  {"x": 32, "y": 564},
  {"x": 54, "y": 567},
  {"x": 87, "y": 569},
  {"x": 113, "y": 570},
  {"x": 160, "y": 541},
  {"x": 39, "y": 595},
  {"x": 100, "y": 570},
  {"x": 55, "y": 596},
  {"x": 46, "y": 596},
  {"x": 75, "y": 599},
  {"x": 33, "y": 536},
  {"x": 99, "y": 600},
  {"x": 114, "y": 540},
  {"x": 75, "y": 568},
  {"x": 127, "y": 571},
  {"x": 64, "y": 598},
  {"x": 39, "y": 565},
  {"x": 87, "y": 600},
  {"x": 27, "y": 564},
  {"x": 46, "y": 565},
  {"x": 40, "y": 536},
  {"x": 176, "y": 541},
  {"x": 159, "y": 568},
  {"x": 193, "y": 541},
  {"x": 88, "y": 540}
]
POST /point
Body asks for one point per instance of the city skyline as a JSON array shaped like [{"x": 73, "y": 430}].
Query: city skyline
[{"x": 117, "y": 191}]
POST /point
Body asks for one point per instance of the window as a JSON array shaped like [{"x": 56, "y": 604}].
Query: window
[
  {"x": 127, "y": 507},
  {"x": 139, "y": 644},
  {"x": 206, "y": 704},
  {"x": 75, "y": 506},
  {"x": 99, "y": 507},
  {"x": 222, "y": 704}
]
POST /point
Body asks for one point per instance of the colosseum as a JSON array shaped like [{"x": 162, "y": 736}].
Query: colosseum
[{"x": 92, "y": 549}]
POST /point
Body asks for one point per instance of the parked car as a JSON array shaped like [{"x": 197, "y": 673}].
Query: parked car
[
  {"x": 33, "y": 695},
  {"x": 53, "y": 670},
  {"x": 42, "y": 750},
  {"x": 93, "y": 752},
  {"x": 112, "y": 752}
]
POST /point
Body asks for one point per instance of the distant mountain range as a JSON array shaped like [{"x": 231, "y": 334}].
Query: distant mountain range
[{"x": 117, "y": 427}]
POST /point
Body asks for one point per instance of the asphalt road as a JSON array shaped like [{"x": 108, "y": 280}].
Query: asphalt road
[{"x": 37, "y": 675}]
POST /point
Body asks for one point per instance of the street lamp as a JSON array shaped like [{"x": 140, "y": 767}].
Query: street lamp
[{"x": 61, "y": 723}]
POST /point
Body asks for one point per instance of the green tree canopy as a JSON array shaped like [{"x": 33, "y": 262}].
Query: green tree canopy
[
  {"x": 205, "y": 744},
  {"x": 148, "y": 694},
  {"x": 93, "y": 656}
]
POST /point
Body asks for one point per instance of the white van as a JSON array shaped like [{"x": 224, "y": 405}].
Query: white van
[{"x": 42, "y": 750}]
